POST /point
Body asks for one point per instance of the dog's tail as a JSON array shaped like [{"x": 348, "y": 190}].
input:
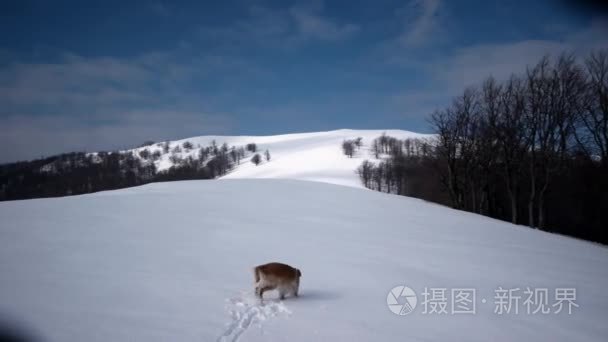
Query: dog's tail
[{"x": 299, "y": 273}]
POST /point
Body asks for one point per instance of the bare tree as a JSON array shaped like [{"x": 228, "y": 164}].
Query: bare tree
[
  {"x": 555, "y": 94},
  {"x": 376, "y": 148},
  {"x": 348, "y": 147},
  {"x": 156, "y": 155},
  {"x": 203, "y": 154},
  {"x": 593, "y": 135},
  {"x": 510, "y": 133},
  {"x": 187, "y": 145},
  {"x": 358, "y": 142},
  {"x": 256, "y": 159},
  {"x": 365, "y": 171},
  {"x": 447, "y": 151},
  {"x": 252, "y": 147},
  {"x": 241, "y": 152},
  {"x": 457, "y": 131},
  {"x": 175, "y": 159},
  {"x": 234, "y": 155},
  {"x": 144, "y": 154}
]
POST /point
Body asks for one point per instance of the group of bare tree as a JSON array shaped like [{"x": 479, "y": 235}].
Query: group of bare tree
[
  {"x": 532, "y": 149},
  {"x": 350, "y": 146},
  {"x": 78, "y": 173},
  {"x": 257, "y": 158},
  {"x": 394, "y": 172},
  {"x": 73, "y": 174},
  {"x": 210, "y": 161},
  {"x": 523, "y": 137}
]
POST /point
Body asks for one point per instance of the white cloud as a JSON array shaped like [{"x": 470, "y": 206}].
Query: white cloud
[
  {"x": 81, "y": 103},
  {"x": 74, "y": 81},
  {"x": 448, "y": 73},
  {"x": 470, "y": 65},
  {"x": 28, "y": 137}
]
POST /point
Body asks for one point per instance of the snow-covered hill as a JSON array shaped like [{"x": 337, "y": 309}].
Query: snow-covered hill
[
  {"x": 173, "y": 262},
  {"x": 314, "y": 156}
]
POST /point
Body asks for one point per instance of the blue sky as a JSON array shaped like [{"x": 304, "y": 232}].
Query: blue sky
[{"x": 110, "y": 74}]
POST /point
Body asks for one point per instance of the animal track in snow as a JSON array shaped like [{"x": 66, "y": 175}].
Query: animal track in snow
[{"x": 246, "y": 311}]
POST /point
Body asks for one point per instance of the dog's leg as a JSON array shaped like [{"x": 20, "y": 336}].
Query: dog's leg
[{"x": 264, "y": 289}]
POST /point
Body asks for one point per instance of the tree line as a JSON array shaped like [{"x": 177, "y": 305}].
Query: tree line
[
  {"x": 80, "y": 172},
  {"x": 400, "y": 167},
  {"x": 532, "y": 150},
  {"x": 72, "y": 174}
]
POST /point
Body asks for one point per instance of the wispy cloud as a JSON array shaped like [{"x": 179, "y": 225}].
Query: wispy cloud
[
  {"x": 311, "y": 23},
  {"x": 470, "y": 65},
  {"x": 92, "y": 103},
  {"x": 82, "y": 103},
  {"x": 280, "y": 28},
  {"x": 160, "y": 8},
  {"x": 74, "y": 81},
  {"x": 239, "y": 71},
  {"x": 421, "y": 17},
  {"x": 444, "y": 75},
  {"x": 27, "y": 137}
]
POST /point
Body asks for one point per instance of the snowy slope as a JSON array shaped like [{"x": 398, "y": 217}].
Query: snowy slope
[
  {"x": 172, "y": 262},
  {"x": 313, "y": 156}
]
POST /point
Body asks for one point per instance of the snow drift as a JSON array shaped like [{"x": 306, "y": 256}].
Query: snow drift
[
  {"x": 315, "y": 156},
  {"x": 173, "y": 262}
]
